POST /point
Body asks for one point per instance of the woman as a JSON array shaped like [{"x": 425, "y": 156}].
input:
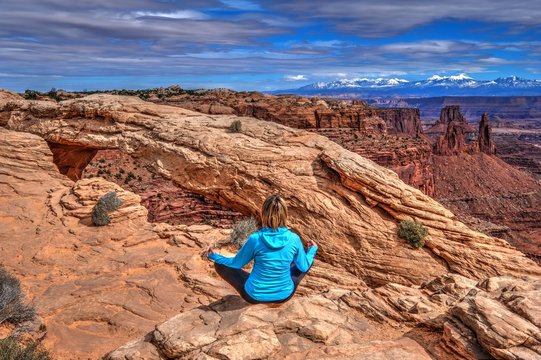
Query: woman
[{"x": 280, "y": 261}]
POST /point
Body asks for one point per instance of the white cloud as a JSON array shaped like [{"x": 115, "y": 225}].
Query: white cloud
[
  {"x": 179, "y": 14},
  {"x": 295, "y": 77}
]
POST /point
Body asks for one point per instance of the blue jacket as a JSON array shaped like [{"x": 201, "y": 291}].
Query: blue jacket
[{"x": 273, "y": 252}]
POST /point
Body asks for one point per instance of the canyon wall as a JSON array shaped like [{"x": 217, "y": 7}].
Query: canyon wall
[{"x": 402, "y": 120}]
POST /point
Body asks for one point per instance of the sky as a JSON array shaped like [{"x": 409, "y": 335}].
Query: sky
[{"x": 261, "y": 45}]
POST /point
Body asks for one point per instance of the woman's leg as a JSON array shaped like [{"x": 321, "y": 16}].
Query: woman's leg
[
  {"x": 236, "y": 278},
  {"x": 296, "y": 276}
]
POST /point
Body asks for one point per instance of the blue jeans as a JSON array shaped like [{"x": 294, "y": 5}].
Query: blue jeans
[{"x": 238, "y": 277}]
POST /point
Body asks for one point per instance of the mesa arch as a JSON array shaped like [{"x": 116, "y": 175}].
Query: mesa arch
[{"x": 346, "y": 203}]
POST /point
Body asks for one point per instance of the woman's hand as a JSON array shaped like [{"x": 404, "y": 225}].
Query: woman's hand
[{"x": 311, "y": 243}]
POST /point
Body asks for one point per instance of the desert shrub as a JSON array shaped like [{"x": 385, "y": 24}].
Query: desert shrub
[
  {"x": 31, "y": 94},
  {"x": 413, "y": 232},
  {"x": 236, "y": 126},
  {"x": 53, "y": 94},
  {"x": 10, "y": 349},
  {"x": 12, "y": 308},
  {"x": 129, "y": 178},
  {"x": 242, "y": 230},
  {"x": 107, "y": 203}
]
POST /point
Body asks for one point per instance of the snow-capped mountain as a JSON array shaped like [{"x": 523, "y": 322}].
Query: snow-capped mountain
[
  {"x": 357, "y": 83},
  {"x": 461, "y": 80},
  {"x": 458, "y": 85}
]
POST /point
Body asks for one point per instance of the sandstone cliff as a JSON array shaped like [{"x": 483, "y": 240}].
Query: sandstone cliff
[{"x": 402, "y": 120}]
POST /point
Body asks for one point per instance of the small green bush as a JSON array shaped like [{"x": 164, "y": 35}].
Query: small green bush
[
  {"x": 242, "y": 230},
  {"x": 10, "y": 349},
  {"x": 31, "y": 94},
  {"x": 53, "y": 94},
  {"x": 12, "y": 308},
  {"x": 236, "y": 126},
  {"x": 107, "y": 203},
  {"x": 413, "y": 232}
]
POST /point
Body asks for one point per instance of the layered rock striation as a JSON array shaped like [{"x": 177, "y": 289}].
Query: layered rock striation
[
  {"x": 402, "y": 120},
  {"x": 391, "y": 137}
]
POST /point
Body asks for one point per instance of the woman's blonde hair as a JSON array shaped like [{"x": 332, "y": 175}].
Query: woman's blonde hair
[{"x": 274, "y": 212}]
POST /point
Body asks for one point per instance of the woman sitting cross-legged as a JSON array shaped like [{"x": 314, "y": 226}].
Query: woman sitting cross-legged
[{"x": 280, "y": 261}]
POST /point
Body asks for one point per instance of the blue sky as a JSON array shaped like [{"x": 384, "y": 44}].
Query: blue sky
[{"x": 261, "y": 45}]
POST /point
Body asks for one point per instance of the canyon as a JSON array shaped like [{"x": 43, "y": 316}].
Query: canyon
[{"x": 145, "y": 285}]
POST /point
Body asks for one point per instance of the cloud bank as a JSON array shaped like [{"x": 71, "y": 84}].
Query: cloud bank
[{"x": 259, "y": 44}]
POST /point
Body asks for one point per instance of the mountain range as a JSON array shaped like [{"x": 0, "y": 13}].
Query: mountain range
[{"x": 456, "y": 85}]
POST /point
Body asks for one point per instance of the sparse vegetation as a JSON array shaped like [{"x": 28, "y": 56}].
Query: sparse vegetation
[
  {"x": 413, "y": 232},
  {"x": 12, "y": 308},
  {"x": 31, "y": 94},
  {"x": 107, "y": 203},
  {"x": 129, "y": 177},
  {"x": 242, "y": 230},
  {"x": 236, "y": 126},
  {"x": 10, "y": 349},
  {"x": 53, "y": 94}
]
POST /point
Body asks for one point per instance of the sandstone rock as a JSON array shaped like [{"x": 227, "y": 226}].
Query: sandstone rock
[
  {"x": 356, "y": 126},
  {"x": 136, "y": 350},
  {"x": 71, "y": 160},
  {"x": 398, "y": 305},
  {"x": 308, "y": 327},
  {"x": 94, "y": 287},
  {"x": 347, "y": 204},
  {"x": 486, "y": 144},
  {"x": 98, "y": 287},
  {"x": 165, "y": 201},
  {"x": 451, "y": 113},
  {"x": 453, "y": 142},
  {"x": 505, "y": 318},
  {"x": 402, "y": 120}
]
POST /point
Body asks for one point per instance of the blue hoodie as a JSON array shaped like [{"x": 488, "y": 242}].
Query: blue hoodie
[{"x": 273, "y": 251}]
